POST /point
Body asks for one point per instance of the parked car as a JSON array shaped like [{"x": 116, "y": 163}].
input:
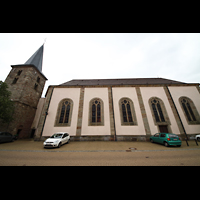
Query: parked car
[
  {"x": 166, "y": 138},
  {"x": 197, "y": 137},
  {"x": 6, "y": 137},
  {"x": 56, "y": 140}
]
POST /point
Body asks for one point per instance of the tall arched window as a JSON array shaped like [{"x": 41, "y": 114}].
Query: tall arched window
[
  {"x": 64, "y": 113},
  {"x": 127, "y": 112},
  {"x": 96, "y": 115},
  {"x": 158, "y": 113},
  {"x": 189, "y": 110}
]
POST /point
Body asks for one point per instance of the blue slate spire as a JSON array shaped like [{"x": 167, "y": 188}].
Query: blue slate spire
[{"x": 36, "y": 58}]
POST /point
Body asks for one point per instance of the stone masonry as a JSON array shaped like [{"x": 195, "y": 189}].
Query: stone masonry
[{"x": 26, "y": 83}]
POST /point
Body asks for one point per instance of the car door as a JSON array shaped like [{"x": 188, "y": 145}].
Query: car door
[
  {"x": 64, "y": 139},
  {"x": 2, "y": 137},
  {"x": 156, "y": 137},
  {"x": 67, "y": 137},
  {"x": 162, "y": 138},
  {"x": 6, "y": 137}
]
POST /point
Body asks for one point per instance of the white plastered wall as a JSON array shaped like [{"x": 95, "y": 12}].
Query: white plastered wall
[
  {"x": 129, "y": 92},
  {"x": 91, "y": 93},
  {"x": 38, "y": 113},
  {"x": 57, "y": 96},
  {"x": 147, "y": 93},
  {"x": 192, "y": 93}
]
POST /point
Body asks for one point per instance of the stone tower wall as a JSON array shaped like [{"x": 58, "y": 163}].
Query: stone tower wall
[{"x": 26, "y": 92}]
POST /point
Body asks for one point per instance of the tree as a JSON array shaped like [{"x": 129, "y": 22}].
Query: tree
[{"x": 6, "y": 104}]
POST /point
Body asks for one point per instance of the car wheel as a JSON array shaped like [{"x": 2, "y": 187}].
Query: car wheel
[
  {"x": 59, "y": 145},
  {"x": 198, "y": 139},
  {"x": 151, "y": 141},
  {"x": 166, "y": 144}
]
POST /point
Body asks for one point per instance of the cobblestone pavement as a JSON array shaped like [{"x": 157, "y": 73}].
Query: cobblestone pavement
[{"x": 108, "y": 153}]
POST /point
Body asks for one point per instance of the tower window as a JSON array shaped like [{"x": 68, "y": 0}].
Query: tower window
[
  {"x": 38, "y": 79},
  {"x": 19, "y": 72},
  {"x": 15, "y": 80},
  {"x": 36, "y": 85}
]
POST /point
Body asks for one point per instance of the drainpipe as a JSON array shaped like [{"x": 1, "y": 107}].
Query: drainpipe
[
  {"x": 178, "y": 116},
  {"x": 115, "y": 137},
  {"x": 46, "y": 113}
]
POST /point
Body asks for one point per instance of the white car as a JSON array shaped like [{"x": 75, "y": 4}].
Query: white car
[
  {"x": 56, "y": 140},
  {"x": 197, "y": 138}
]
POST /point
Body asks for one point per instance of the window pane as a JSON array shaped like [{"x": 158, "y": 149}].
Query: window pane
[
  {"x": 98, "y": 113},
  {"x": 124, "y": 113},
  {"x": 160, "y": 112},
  {"x": 62, "y": 114},
  {"x": 191, "y": 112},
  {"x": 155, "y": 112},
  {"x": 186, "y": 112},
  {"x": 93, "y": 113},
  {"x": 130, "y": 119},
  {"x": 67, "y": 114}
]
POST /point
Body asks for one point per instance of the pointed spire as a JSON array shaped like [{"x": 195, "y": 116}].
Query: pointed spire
[{"x": 36, "y": 58}]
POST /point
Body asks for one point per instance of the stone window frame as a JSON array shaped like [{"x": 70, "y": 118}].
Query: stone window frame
[
  {"x": 92, "y": 101},
  {"x": 133, "y": 113},
  {"x": 164, "y": 112},
  {"x": 188, "y": 112},
  {"x": 59, "y": 113}
]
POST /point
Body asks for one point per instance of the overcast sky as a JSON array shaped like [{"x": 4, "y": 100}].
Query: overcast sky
[{"x": 70, "y": 56}]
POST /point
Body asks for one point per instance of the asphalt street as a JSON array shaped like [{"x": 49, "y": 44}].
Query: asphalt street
[{"x": 98, "y": 153}]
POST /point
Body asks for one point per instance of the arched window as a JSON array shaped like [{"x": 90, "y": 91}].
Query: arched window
[
  {"x": 158, "y": 113},
  {"x": 127, "y": 112},
  {"x": 96, "y": 116},
  {"x": 64, "y": 113},
  {"x": 189, "y": 110}
]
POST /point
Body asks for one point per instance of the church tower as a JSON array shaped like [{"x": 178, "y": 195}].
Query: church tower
[{"x": 26, "y": 82}]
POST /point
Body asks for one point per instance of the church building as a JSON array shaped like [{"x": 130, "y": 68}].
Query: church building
[
  {"x": 120, "y": 109},
  {"x": 100, "y": 109}
]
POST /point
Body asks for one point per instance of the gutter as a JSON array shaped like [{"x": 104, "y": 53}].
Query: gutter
[{"x": 115, "y": 136}]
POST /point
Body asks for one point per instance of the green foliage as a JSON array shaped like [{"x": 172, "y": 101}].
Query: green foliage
[{"x": 6, "y": 105}]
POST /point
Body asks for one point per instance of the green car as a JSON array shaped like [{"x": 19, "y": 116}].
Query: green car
[{"x": 166, "y": 138}]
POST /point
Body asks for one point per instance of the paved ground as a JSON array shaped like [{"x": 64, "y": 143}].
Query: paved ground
[{"x": 108, "y": 153}]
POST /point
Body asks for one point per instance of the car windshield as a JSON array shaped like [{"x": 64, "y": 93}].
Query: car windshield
[
  {"x": 57, "y": 135},
  {"x": 173, "y": 136}
]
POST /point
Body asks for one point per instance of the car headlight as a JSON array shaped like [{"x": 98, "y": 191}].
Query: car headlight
[{"x": 56, "y": 141}]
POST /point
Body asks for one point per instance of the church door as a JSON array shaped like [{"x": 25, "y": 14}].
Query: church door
[{"x": 163, "y": 129}]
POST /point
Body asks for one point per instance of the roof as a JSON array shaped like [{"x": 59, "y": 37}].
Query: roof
[
  {"x": 131, "y": 81},
  {"x": 36, "y": 58},
  {"x": 34, "y": 61}
]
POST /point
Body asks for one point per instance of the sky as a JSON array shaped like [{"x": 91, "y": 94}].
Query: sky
[{"x": 68, "y": 56}]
